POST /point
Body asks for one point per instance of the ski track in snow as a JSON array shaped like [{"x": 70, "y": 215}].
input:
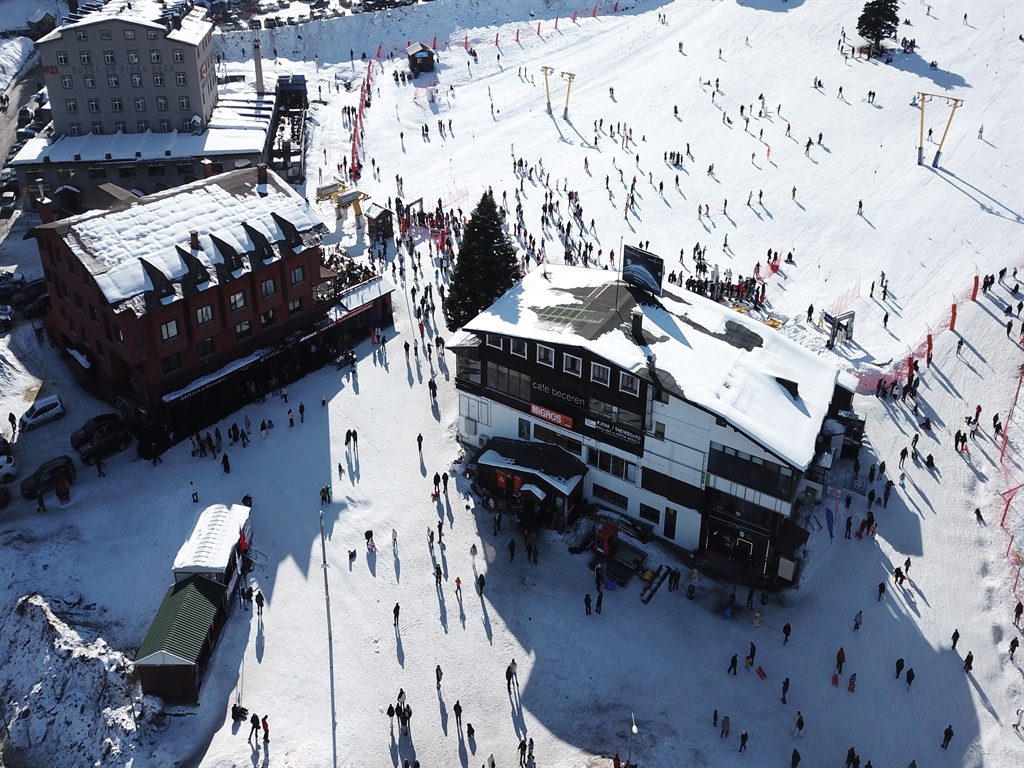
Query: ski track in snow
[{"x": 580, "y": 677}]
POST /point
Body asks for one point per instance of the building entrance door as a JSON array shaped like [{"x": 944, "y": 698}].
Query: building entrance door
[{"x": 670, "y": 523}]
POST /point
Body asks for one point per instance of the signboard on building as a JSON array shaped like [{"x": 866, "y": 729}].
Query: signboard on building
[
  {"x": 613, "y": 431},
  {"x": 642, "y": 269},
  {"x": 554, "y": 417}
]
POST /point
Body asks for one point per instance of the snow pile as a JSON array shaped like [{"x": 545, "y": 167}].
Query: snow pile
[
  {"x": 63, "y": 696},
  {"x": 14, "y": 52}
]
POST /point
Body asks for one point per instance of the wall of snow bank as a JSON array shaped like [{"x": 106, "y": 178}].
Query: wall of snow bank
[
  {"x": 64, "y": 699},
  {"x": 14, "y": 53}
]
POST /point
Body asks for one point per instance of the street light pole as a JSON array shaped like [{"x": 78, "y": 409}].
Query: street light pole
[
  {"x": 568, "y": 88},
  {"x": 547, "y": 71}
]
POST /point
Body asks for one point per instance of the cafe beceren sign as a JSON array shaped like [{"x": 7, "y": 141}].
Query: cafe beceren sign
[{"x": 568, "y": 397}]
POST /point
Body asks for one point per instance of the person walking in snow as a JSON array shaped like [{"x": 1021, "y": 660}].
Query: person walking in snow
[
  {"x": 1017, "y": 612},
  {"x": 798, "y": 726},
  {"x": 396, "y": 611},
  {"x": 457, "y": 709},
  {"x": 437, "y": 482},
  {"x": 438, "y": 573},
  {"x": 512, "y": 557},
  {"x": 785, "y": 633},
  {"x": 586, "y": 602},
  {"x": 881, "y": 590},
  {"x": 947, "y": 735},
  {"x": 226, "y": 464},
  {"x": 899, "y": 667},
  {"x": 480, "y": 583},
  {"x": 785, "y": 689},
  {"x": 840, "y": 660},
  {"x": 254, "y": 721},
  {"x": 419, "y": 443},
  {"x": 508, "y": 678},
  {"x": 438, "y": 674},
  {"x": 910, "y": 677},
  {"x": 857, "y": 620},
  {"x": 743, "y": 741},
  {"x": 725, "y": 727},
  {"x": 266, "y": 728},
  {"x": 969, "y": 662},
  {"x": 956, "y": 637},
  {"x": 259, "y": 603},
  {"x": 600, "y": 599},
  {"x": 732, "y": 664},
  {"x": 1013, "y": 646},
  {"x": 750, "y": 656}
]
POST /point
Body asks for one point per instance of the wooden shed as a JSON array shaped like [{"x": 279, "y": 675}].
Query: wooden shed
[
  {"x": 379, "y": 223},
  {"x": 421, "y": 58},
  {"x": 180, "y": 639}
]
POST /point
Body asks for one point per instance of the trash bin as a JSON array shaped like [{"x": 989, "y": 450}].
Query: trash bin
[{"x": 757, "y": 620}]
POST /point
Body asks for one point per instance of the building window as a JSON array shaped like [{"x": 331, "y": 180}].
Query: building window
[
  {"x": 67, "y": 82},
  {"x": 659, "y": 430},
  {"x": 572, "y": 364},
  {"x": 154, "y": 57},
  {"x": 267, "y": 319},
  {"x": 540, "y": 432},
  {"x": 179, "y": 55},
  {"x": 181, "y": 78},
  {"x": 99, "y": 172},
  {"x": 612, "y": 464},
  {"x": 508, "y": 381},
  {"x": 90, "y": 81},
  {"x": 204, "y": 348},
  {"x": 133, "y": 57},
  {"x": 545, "y": 356},
  {"x": 165, "y": 126},
  {"x": 519, "y": 348},
  {"x": 494, "y": 340},
  {"x": 97, "y": 129},
  {"x": 157, "y": 169},
  {"x": 158, "y": 80},
  {"x": 151, "y": 34},
  {"x": 237, "y": 301},
  {"x": 94, "y": 315},
  {"x": 101, "y": 353},
  {"x": 650, "y": 514},
  {"x": 524, "y": 429},
  {"x": 143, "y": 126},
  {"x": 184, "y": 169},
  {"x": 71, "y": 106},
  {"x": 613, "y": 498},
  {"x": 71, "y": 325},
  {"x": 172, "y": 363},
  {"x": 183, "y": 102},
  {"x": 85, "y": 57},
  {"x": 629, "y": 383},
  {"x": 600, "y": 374},
  {"x": 161, "y": 104},
  {"x": 298, "y": 275},
  {"x": 104, "y": 34},
  {"x": 136, "y": 80},
  {"x": 78, "y": 302},
  {"x": 140, "y": 104},
  {"x": 268, "y": 288},
  {"x": 294, "y": 307},
  {"x": 75, "y": 129},
  {"x": 129, "y": 34},
  {"x": 81, "y": 35},
  {"x": 62, "y": 58},
  {"x": 120, "y": 127},
  {"x": 204, "y": 315},
  {"x": 243, "y": 330},
  {"x": 109, "y": 58},
  {"x": 126, "y": 172},
  {"x": 94, "y": 106},
  {"x": 118, "y": 336},
  {"x": 169, "y": 330},
  {"x": 117, "y": 105},
  {"x": 112, "y": 81},
  {"x": 614, "y": 414}
]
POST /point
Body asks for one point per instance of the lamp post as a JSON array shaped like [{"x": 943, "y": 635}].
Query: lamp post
[
  {"x": 547, "y": 71},
  {"x": 569, "y": 76},
  {"x": 632, "y": 733}
]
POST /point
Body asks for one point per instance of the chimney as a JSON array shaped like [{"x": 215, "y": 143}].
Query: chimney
[
  {"x": 207, "y": 164},
  {"x": 261, "y": 173},
  {"x": 638, "y": 317},
  {"x": 259, "y": 67},
  {"x": 194, "y": 242},
  {"x": 45, "y": 206}
]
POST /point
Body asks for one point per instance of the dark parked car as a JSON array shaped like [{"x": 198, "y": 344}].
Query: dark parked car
[
  {"x": 6, "y": 317},
  {"x": 109, "y": 439},
  {"x": 29, "y": 292},
  {"x": 37, "y": 307},
  {"x": 8, "y": 289},
  {"x": 5, "y": 447},
  {"x": 45, "y": 478},
  {"x": 92, "y": 427},
  {"x": 5, "y": 495}
]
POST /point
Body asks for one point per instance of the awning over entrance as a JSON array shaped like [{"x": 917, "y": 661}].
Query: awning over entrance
[
  {"x": 554, "y": 465},
  {"x": 536, "y": 492}
]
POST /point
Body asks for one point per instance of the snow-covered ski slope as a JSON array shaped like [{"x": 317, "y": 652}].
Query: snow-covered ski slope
[{"x": 581, "y": 677}]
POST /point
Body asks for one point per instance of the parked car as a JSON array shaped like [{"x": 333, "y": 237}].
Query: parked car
[
  {"x": 24, "y": 116},
  {"x": 8, "y": 201},
  {"x": 8, "y": 180},
  {"x": 92, "y": 427},
  {"x": 8, "y": 290},
  {"x": 29, "y": 292},
  {"x": 6, "y": 317},
  {"x": 5, "y": 495},
  {"x": 9, "y": 277},
  {"x": 112, "y": 438},
  {"x": 255, "y": 24},
  {"x": 5, "y": 447},
  {"x": 45, "y": 478},
  {"x": 37, "y": 307},
  {"x": 44, "y": 409},
  {"x": 8, "y": 468}
]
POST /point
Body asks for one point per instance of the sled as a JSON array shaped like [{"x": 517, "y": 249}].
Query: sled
[
  {"x": 852, "y": 686},
  {"x": 761, "y": 673},
  {"x": 835, "y": 681},
  {"x": 435, "y": 496}
]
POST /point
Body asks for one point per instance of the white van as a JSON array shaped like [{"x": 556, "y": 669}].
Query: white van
[{"x": 43, "y": 410}]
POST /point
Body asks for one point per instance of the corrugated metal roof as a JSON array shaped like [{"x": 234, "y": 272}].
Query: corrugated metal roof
[{"x": 183, "y": 621}]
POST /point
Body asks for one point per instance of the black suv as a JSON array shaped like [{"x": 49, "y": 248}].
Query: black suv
[
  {"x": 29, "y": 292},
  {"x": 45, "y": 478},
  {"x": 94, "y": 425},
  {"x": 110, "y": 439}
]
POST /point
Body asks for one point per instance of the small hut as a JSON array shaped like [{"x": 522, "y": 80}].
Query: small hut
[
  {"x": 421, "y": 58},
  {"x": 379, "y": 223}
]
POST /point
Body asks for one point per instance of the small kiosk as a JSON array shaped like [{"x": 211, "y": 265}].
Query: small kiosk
[
  {"x": 379, "y": 223},
  {"x": 217, "y": 546},
  {"x": 421, "y": 58}
]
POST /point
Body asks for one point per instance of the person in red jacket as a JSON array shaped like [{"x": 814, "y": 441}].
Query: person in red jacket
[{"x": 840, "y": 660}]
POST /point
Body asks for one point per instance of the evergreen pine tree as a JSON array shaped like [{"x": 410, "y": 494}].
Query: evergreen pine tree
[
  {"x": 879, "y": 21},
  {"x": 486, "y": 267}
]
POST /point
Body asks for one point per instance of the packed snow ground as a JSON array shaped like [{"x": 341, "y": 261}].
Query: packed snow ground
[{"x": 581, "y": 677}]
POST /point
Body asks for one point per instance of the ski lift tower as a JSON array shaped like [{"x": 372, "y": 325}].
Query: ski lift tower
[
  {"x": 343, "y": 197},
  {"x": 920, "y": 142}
]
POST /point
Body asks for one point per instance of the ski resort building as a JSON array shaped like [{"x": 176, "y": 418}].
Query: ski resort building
[{"x": 693, "y": 419}]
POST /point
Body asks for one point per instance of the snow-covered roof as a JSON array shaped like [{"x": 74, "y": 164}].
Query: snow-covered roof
[
  {"x": 718, "y": 359},
  {"x": 229, "y": 207},
  {"x": 155, "y": 14},
  {"x": 215, "y": 534},
  {"x": 238, "y": 126}
]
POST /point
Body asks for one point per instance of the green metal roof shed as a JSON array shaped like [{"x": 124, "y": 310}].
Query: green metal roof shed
[{"x": 181, "y": 638}]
